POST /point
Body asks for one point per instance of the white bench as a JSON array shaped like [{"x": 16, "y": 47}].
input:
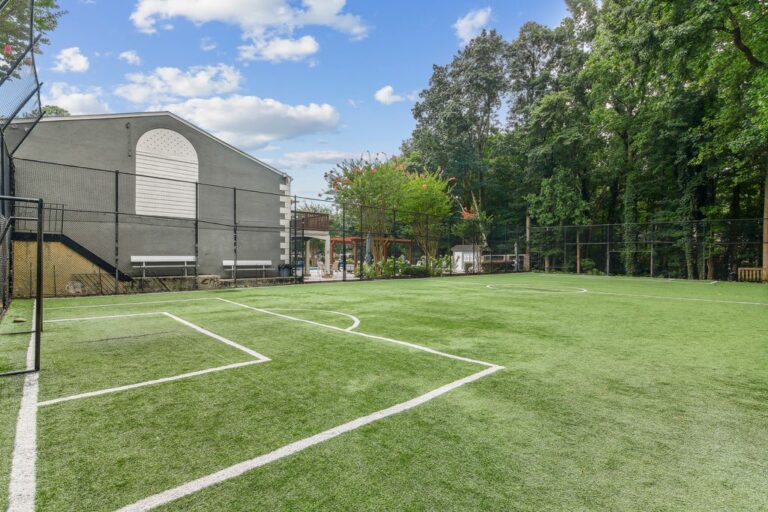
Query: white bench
[
  {"x": 262, "y": 265},
  {"x": 152, "y": 262}
]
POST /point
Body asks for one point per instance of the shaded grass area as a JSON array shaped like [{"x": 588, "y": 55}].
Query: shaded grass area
[{"x": 626, "y": 397}]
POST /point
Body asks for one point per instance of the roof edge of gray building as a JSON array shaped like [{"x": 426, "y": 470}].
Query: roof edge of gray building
[{"x": 86, "y": 117}]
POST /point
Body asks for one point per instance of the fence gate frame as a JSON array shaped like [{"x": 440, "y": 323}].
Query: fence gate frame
[{"x": 6, "y": 237}]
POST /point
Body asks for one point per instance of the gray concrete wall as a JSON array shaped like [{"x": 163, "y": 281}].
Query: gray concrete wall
[{"x": 109, "y": 143}]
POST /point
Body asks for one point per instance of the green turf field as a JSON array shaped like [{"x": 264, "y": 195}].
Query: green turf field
[{"x": 504, "y": 392}]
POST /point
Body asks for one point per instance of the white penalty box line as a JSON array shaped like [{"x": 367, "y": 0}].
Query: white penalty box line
[
  {"x": 258, "y": 358},
  {"x": 238, "y": 469}
]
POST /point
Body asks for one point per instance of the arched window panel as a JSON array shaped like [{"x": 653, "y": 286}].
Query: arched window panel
[{"x": 167, "y": 170}]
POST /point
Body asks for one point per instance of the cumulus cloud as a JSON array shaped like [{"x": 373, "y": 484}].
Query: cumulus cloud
[
  {"x": 386, "y": 95},
  {"x": 131, "y": 57},
  {"x": 262, "y": 22},
  {"x": 252, "y": 122},
  {"x": 276, "y": 50},
  {"x": 170, "y": 84},
  {"x": 298, "y": 160},
  {"x": 71, "y": 59},
  {"x": 470, "y": 25},
  {"x": 76, "y": 100}
]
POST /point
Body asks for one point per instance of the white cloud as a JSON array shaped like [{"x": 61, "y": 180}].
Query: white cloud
[
  {"x": 302, "y": 159},
  {"x": 387, "y": 96},
  {"x": 71, "y": 59},
  {"x": 170, "y": 84},
  {"x": 470, "y": 25},
  {"x": 251, "y": 122},
  {"x": 75, "y": 100},
  {"x": 279, "y": 49},
  {"x": 207, "y": 44},
  {"x": 131, "y": 57},
  {"x": 262, "y": 22}
]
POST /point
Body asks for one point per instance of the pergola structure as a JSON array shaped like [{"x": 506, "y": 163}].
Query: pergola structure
[{"x": 354, "y": 241}]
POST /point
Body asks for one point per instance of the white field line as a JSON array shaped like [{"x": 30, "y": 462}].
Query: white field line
[
  {"x": 692, "y": 299},
  {"x": 285, "y": 451},
  {"x": 633, "y": 295},
  {"x": 290, "y": 449},
  {"x": 259, "y": 358},
  {"x": 21, "y": 489},
  {"x": 142, "y": 303},
  {"x": 355, "y": 320},
  {"x": 569, "y": 289},
  {"x": 639, "y": 279},
  {"x": 82, "y": 319},
  {"x": 356, "y": 333},
  {"x": 146, "y": 383}
]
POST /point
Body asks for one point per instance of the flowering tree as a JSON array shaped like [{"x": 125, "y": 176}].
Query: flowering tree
[{"x": 379, "y": 193}]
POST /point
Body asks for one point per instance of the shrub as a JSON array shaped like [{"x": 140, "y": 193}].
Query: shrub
[{"x": 415, "y": 271}]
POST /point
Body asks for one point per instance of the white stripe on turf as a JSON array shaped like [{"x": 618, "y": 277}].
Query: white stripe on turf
[
  {"x": 692, "y": 299},
  {"x": 154, "y": 313},
  {"x": 290, "y": 449},
  {"x": 21, "y": 489},
  {"x": 259, "y": 358},
  {"x": 356, "y": 333},
  {"x": 142, "y": 303},
  {"x": 222, "y": 339},
  {"x": 147, "y": 383}
]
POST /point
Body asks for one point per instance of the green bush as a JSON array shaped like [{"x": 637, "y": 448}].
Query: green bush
[
  {"x": 587, "y": 265},
  {"x": 415, "y": 271}
]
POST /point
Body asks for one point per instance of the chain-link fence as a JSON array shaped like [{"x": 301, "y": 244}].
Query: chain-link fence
[
  {"x": 99, "y": 241},
  {"x": 703, "y": 249}
]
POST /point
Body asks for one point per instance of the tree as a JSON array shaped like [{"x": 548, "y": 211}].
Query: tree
[
  {"x": 54, "y": 110},
  {"x": 15, "y": 34},
  {"x": 457, "y": 114}
]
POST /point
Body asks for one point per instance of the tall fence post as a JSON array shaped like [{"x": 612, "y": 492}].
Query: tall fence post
[
  {"x": 197, "y": 234},
  {"x": 234, "y": 233},
  {"x": 426, "y": 246},
  {"x": 117, "y": 232},
  {"x": 608, "y": 250},
  {"x": 39, "y": 295},
  {"x": 394, "y": 236},
  {"x": 363, "y": 248},
  {"x": 343, "y": 242}
]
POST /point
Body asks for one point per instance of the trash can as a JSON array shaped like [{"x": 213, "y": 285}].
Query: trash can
[{"x": 284, "y": 270}]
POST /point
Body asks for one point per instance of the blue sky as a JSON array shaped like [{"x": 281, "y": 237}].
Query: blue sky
[{"x": 300, "y": 84}]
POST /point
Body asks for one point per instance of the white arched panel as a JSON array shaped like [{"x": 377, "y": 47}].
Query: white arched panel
[{"x": 167, "y": 170}]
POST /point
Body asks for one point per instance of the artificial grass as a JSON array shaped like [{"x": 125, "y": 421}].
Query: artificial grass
[{"x": 621, "y": 398}]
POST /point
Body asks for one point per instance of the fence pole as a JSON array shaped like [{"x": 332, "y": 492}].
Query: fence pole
[
  {"x": 39, "y": 294},
  {"x": 653, "y": 233},
  {"x": 234, "y": 233},
  {"x": 426, "y": 245},
  {"x": 608, "y": 250},
  {"x": 197, "y": 233},
  {"x": 394, "y": 236},
  {"x": 363, "y": 247},
  {"x": 117, "y": 232},
  {"x": 344, "y": 241}
]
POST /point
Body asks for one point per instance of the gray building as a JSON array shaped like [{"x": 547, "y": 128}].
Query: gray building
[{"x": 154, "y": 185}]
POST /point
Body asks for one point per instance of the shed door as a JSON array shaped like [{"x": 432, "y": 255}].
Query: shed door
[{"x": 167, "y": 170}]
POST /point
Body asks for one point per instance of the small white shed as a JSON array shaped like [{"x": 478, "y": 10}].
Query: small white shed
[{"x": 465, "y": 257}]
